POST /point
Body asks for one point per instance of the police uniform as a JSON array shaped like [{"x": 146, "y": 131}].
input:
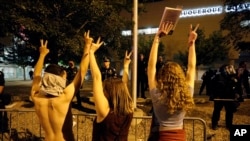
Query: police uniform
[
  {"x": 224, "y": 92},
  {"x": 141, "y": 78},
  {"x": 71, "y": 73},
  {"x": 108, "y": 72},
  {"x": 4, "y": 100}
]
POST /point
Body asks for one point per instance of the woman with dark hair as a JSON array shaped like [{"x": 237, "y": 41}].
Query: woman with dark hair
[
  {"x": 171, "y": 90},
  {"x": 113, "y": 103}
]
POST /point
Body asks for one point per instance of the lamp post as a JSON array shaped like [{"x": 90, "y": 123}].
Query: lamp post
[{"x": 135, "y": 50}]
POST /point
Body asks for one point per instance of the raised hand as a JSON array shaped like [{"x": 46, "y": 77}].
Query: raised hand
[
  {"x": 43, "y": 48},
  {"x": 127, "y": 59},
  {"x": 192, "y": 34},
  {"x": 95, "y": 46},
  {"x": 88, "y": 41},
  {"x": 165, "y": 28},
  {"x": 87, "y": 38}
]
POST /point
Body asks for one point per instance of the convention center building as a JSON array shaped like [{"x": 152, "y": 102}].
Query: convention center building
[{"x": 208, "y": 13}]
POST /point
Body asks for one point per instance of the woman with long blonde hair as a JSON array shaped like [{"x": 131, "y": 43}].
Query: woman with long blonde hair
[{"x": 171, "y": 90}]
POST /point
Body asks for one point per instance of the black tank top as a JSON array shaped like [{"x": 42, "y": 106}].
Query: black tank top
[{"x": 112, "y": 128}]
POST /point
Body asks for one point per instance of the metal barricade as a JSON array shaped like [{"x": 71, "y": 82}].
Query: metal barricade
[
  {"x": 196, "y": 129},
  {"x": 24, "y": 125}
]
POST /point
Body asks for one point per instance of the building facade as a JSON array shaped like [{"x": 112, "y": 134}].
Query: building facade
[{"x": 208, "y": 13}]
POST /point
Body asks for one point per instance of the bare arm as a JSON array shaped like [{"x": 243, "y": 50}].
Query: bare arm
[
  {"x": 126, "y": 63},
  {"x": 101, "y": 102},
  {"x": 191, "y": 68},
  {"x": 38, "y": 67},
  {"x": 166, "y": 28},
  {"x": 78, "y": 79}
]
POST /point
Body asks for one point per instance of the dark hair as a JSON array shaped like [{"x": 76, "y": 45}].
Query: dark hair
[
  {"x": 54, "y": 69},
  {"x": 222, "y": 68},
  {"x": 106, "y": 59}
]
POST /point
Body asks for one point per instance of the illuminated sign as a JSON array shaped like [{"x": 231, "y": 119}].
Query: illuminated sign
[
  {"x": 202, "y": 11},
  {"x": 238, "y": 8},
  {"x": 213, "y": 10}
]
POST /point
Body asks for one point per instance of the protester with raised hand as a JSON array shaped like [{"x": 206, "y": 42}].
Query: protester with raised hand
[
  {"x": 171, "y": 90},
  {"x": 113, "y": 103},
  {"x": 52, "y": 98}
]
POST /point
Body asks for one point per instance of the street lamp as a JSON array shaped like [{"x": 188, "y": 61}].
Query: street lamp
[{"x": 135, "y": 49}]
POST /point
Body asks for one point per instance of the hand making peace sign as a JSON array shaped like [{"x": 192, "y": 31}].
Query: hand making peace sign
[
  {"x": 192, "y": 34},
  {"x": 96, "y": 46},
  {"x": 87, "y": 38},
  {"x": 127, "y": 59},
  {"x": 43, "y": 48}
]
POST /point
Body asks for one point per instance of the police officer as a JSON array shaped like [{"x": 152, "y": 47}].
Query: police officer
[
  {"x": 71, "y": 72},
  {"x": 106, "y": 70},
  {"x": 224, "y": 94},
  {"x": 141, "y": 76},
  {"x": 243, "y": 75},
  {"x": 4, "y": 100}
]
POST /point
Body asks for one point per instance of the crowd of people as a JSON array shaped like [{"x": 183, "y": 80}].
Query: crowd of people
[
  {"x": 171, "y": 89},
  {"x": 227, "y": 88}
]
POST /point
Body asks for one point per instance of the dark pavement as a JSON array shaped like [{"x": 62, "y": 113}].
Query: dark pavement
[
  {"x": 21, "y": 88},
  {"x": 20, "y": 92}
]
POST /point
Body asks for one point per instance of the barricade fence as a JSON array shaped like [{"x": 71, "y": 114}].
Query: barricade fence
[{"x": 24, "y": 125}]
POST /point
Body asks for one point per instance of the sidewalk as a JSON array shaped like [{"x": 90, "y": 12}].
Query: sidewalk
[
  {"x": 18, "y": 82},
  {"x": 20, "y": 91},
  {"x": 86, "y": 89}
]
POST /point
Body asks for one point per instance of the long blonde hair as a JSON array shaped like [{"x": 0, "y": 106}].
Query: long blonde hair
[
  {"x": 118, "y": 96},
  {"x": 175, "y": 93}
]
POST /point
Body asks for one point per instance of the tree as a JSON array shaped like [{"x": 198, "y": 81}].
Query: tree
[
  {"x": 208, "y": 50},
  {"x": 237, "y": 23},
  {"x": 144, "y": 45},
  {"x": 63, "y": 23},
  {"x": 18, "y": 54}
]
